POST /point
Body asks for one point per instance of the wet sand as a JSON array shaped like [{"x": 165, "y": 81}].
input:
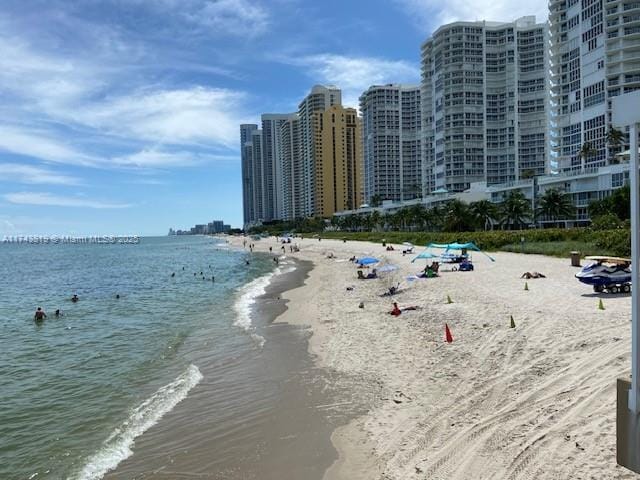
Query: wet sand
[{"x": 266, "y": 414}]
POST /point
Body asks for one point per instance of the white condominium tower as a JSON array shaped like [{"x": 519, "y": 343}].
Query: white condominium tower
[
  {"x": 595, "y": 56},
  {"x": 391, "y": 124},
  {"x": 485, "y": 99},
  {"x": 318, "y": 100}
]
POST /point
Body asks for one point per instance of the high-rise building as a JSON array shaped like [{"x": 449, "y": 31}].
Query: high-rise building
[
  {"x": 291, "y": 169},
  {"x": 485, "y": 102},
  {"x": 246, "y": 155},
  {"x": 391, "y": 125},
  {"x": 272, "y": 161},
  {"x": 318, "y": 100},
  {"x": 595, "y": 51},
  {"x": 258, "y": 175},
  {"x": 338, "y": 161}
]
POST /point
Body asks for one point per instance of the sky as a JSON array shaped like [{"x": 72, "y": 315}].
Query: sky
[{"x": 121, "y": 117}]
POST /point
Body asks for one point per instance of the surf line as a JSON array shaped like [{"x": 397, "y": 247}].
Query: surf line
[{"x": 118, "y": 446}]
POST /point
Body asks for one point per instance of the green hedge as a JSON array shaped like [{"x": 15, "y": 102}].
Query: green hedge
[{"x": 607, "y": 242}]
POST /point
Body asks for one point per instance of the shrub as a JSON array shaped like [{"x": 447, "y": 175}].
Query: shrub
[
  {"x": 608, "y": 221},
  {"x": 610, "y": 242}
]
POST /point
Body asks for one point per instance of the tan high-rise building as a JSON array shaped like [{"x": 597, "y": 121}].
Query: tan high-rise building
[{"x": 339, "y": 164}]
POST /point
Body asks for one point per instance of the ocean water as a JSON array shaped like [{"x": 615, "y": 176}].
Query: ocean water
[{"x": 80, "y": 393}]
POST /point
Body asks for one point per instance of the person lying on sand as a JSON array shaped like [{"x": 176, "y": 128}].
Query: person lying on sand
[
  {"x": 397, "y": 310},
  {"x": 529, "y": 275},
  {"x": 392, "y": 290}
]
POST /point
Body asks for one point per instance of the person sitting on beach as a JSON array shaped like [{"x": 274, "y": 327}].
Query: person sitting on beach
[
  {"x": 39, "y": 315},
  {"x": 529, "y": 275},
  {"x": 75, "y": 298},
  {"x": 373, "y": 274}
]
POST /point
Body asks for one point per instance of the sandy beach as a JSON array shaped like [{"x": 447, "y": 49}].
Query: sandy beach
[{"x": 534, "y": 401}]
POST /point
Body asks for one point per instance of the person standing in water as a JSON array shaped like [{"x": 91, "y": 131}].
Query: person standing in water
[
  {"x": 39, "y": 315},
  {"x": 75, "y": 298}
]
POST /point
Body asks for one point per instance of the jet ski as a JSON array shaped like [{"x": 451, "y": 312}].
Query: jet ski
[{"x": 611, "y": 274}]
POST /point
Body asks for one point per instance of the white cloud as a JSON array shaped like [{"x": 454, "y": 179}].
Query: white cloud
[
  {"x": 355, "y": 74},
  {"x": 198, "y": 115},
  {"x": 153, "y": 158},
  {"x": 235, "y": 17},
  {"x": 40, "y": 145},
  {"x": 47, "y": 199},
  {"x": 15, "y": 172},
  {"x": 431, "y": 14}
]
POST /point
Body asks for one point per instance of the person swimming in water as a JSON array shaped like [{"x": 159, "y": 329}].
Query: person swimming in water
[
  {"x": 75, "y": 298},
  {"x": 58, "y": 313},
  {"x": 117, "y": 295},
  {"x": 39, "y": 315},
  {"x": 173, "y": 274}
]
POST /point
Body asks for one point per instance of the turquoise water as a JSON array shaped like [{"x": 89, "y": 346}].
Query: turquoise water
[{"x": 75, "y": 391}]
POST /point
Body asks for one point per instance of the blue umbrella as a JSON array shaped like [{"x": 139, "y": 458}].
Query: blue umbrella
[{"x": 367, "y": 261}]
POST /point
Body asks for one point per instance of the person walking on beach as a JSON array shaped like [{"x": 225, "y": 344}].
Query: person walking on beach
[{"x": 39, "y": 315}]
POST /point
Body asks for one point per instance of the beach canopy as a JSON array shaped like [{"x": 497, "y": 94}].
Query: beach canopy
[
  {"x": 455, "y": 246},
  {"x": 367, "y": 261},
  {"x": 407, "y": 244},
  {"x": 425, "y": 255},
  {"x": 459, "y": 246}
]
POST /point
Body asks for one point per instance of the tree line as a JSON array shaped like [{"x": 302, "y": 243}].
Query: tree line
[{"x": 514, "y": 212}]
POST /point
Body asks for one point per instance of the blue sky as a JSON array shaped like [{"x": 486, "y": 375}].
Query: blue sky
[{"x": 122, "y": 116}]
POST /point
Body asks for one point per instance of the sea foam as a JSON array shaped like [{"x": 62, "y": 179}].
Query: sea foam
[
  {"x": 118, "y": 446},
  {"x": 249, "y": 293}
]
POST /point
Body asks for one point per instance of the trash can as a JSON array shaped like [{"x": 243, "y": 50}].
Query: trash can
[{"x": 575, "y": 259}]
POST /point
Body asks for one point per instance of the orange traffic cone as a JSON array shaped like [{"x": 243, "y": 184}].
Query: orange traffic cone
[{"x": 447, "y": 334}]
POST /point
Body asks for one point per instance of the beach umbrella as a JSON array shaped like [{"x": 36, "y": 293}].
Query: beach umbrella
[
  {"x": 367, "y": 261},
  {"x": 387, "y": 268},
  {"x": 425, "y": 255}
]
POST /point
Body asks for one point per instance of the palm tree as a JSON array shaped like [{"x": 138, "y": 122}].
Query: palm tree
[
  {"x": 585, "y": 152},
  {"x": 515, "y": 209},
  {"x": 484, "y": 212},
  {"x": 614, "y": 140},
  {"x": 376, "y": 200},
  {"x": 457, "y": 217},
  {"x": 405, "y": 217},
  {"x": 375, "y": 219},
  {"x": 433, "y": 218},
  {"x": 416, "y": 215},
  {"x": 555, "y": 205},
  {"x": 528, "y": 174}
]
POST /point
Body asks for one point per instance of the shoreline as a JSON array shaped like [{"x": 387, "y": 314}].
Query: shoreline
[{"x": 536, "y": 400}]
